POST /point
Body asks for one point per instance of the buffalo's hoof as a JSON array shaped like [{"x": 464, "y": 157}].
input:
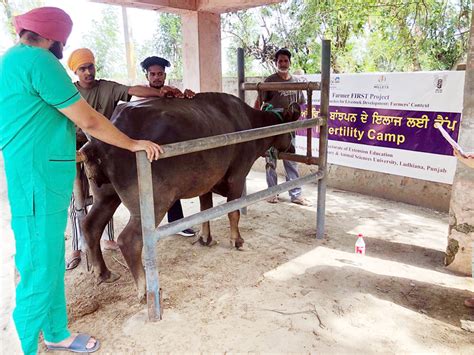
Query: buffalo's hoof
[
  {"x": 141, "y": 298},
  {"x": 108, "y": 277},
  {"x": 239, "y": 243},
  {"x": 206, "y": 243}
]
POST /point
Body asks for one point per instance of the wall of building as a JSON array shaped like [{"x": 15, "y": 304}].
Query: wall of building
[{"x": 397, "y": 188}]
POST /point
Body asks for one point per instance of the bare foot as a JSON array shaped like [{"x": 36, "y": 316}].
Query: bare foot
[
  {"x": 273, "y": 199},
  {"x": 300, "y": 201}
]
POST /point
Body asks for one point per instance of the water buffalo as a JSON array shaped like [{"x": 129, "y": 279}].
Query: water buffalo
[{"x": 113, "y": 172}]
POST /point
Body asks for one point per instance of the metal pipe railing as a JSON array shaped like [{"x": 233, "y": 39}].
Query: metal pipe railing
[
  {"x": 298, "y": 158},
  {"x": 197, "y": 145},
  {"x": 151, "y": 233},
  {"x": 264, "y": 86},
  {"x": 214, "y": 212}
]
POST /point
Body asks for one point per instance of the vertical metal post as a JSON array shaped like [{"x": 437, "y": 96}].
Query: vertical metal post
[
  {"x": 309, "y": 131},
  {"x": 241, "y": 91},
  {"x": 323, "y": 137},
  {"x": 240, "y": 72},
  {"x": 147, "y": 213}
]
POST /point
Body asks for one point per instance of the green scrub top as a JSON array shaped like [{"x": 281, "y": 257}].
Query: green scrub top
[{"x": 38, "y": 141}]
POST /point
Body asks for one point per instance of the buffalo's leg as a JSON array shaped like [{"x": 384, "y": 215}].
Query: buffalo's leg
[
  {"x": 235, "y": 188},
  {"x": 130, "y": 242},
  {"x": 93, "y": 225},
  {"x": 235, "y": 238},
  {"x": 206, "y": 203}
]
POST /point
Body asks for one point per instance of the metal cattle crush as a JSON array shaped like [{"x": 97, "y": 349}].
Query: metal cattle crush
[{"x": 151, "y": 234}]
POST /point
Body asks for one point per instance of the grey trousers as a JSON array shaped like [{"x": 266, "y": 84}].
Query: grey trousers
[{"x": 291, "y": 173}]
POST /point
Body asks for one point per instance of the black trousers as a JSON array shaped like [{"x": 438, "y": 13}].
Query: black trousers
[{"x": 175, "y": 212}]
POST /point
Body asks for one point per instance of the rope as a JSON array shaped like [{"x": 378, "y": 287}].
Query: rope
[{"x": 276, "y": 112}]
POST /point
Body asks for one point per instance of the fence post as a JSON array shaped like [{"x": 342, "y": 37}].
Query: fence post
[
  {"x": 241, "y": 91},
  {"x": 147, "y": 216},
  {"x": 323, "y": 138}
]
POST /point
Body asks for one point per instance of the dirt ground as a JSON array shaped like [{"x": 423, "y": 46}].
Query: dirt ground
[{"x": 286, "y": 291}]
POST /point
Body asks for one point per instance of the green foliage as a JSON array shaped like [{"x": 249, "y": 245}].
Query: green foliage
[
  {"x": 168, "y": 42},
  {"x": 15, "y": 7},
  {"x": 366, "y": 35},
  {"x": 240, "y": 26},
  {"x": 106, "y": 42}
]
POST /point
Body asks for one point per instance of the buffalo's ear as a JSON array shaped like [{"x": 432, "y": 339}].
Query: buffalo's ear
[
  {"x": 293, "y": 112},
  {"x": 92, "y": 164}
]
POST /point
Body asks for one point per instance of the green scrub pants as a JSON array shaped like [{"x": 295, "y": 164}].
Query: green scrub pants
[{"x": 40, "y": 295}]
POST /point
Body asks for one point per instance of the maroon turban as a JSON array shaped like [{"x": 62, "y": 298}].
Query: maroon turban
[{"x": 49, "y": 22}]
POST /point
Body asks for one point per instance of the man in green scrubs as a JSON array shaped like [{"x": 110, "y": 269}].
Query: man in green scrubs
[{"x": 39, "y": 106}]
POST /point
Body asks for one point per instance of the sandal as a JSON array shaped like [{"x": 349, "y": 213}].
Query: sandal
[
  {"x": 79, "y": 345},
  {"x": 73, "y": 262},
  {"x": 300, "y": 201},
  {"x": 273, "y": 199}
]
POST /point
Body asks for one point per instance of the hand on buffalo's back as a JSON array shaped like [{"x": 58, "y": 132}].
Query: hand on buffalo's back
[
  {"x": 170, "y": 91},
  {"x": 189, "y": 94}
]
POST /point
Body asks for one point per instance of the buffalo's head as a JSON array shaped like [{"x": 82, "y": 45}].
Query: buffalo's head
[
  {"x": 286, "y": 142},
  {"x": 93, "y": 164}
]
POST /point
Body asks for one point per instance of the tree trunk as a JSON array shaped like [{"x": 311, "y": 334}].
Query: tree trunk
[{"x": 461, "y": 211}]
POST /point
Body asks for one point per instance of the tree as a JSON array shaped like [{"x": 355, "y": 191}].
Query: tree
[
  {"x": 167, "y": 42},
  {"x": 369, "y": 35},
  {"x": 461, "y": 219},
  {"x": 241, "y": 27},
  {"x": 14, "y": 7},
  {"x": 419, "y": 35},
  {"x": 106, "y": 42}
]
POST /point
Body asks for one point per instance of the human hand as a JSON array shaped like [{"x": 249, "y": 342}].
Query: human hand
[
  {"x": 152, "y": 149},
  {"x": 467, "y": 159},
  {"x": 189, "y": 94},
  {"x": 80, "y": 156},
  {"x": 170, "y": 91}
]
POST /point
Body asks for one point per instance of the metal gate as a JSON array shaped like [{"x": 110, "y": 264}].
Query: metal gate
[{"x": 151, "y": 234}]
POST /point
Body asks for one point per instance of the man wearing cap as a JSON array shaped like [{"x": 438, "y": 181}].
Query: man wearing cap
[
  {"x": 281, "y": 100},
  {"x": 37, "y": 138},
  {"x": 103, "y": 96},
  {"x": 155, "y": 72}
]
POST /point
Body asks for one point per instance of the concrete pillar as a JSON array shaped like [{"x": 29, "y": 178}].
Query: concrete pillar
[
  {"x": 9, "y": 342},
  {"x": 202, "y": 69},
  {"x": 461, "y": 213}
]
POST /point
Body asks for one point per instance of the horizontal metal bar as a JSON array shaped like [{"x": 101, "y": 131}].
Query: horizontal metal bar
[
  {"x": 263, "y": 86},
  {"x": 214, "y": 212},
  {"x": 298, "y": 158},
  {"x": 197, "y": 145}
]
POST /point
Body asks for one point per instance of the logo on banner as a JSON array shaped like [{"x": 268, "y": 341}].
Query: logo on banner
[
  {"x": 381, "y": 83},
  {"x": 334, "y": 81},
  {"x": 439, "y": 82}
]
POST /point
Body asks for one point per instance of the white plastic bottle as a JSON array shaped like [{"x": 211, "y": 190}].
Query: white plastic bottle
[{"x": 360, "y": 245}]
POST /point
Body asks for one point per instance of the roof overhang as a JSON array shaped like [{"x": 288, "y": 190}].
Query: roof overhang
[{"x": 179, "y": 6}]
